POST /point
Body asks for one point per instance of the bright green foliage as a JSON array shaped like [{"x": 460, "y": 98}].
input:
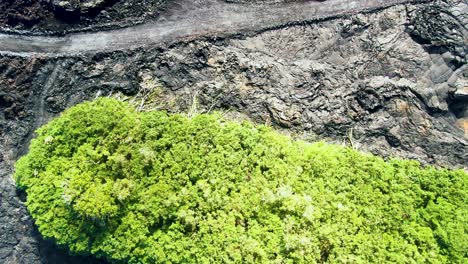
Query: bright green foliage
[{"x": 157, "y": 188}]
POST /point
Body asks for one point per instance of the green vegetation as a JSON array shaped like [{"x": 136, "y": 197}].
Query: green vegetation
[{"x": 148, "y": 187}]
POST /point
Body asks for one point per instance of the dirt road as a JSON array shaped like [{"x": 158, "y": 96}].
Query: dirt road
[{"x": 185, "y": 20}]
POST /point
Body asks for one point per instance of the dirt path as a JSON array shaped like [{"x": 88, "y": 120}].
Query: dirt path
[{"x": 185, "y": 20}]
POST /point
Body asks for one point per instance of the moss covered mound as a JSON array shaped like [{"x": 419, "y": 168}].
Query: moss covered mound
[{"x": 150, "y": 187}]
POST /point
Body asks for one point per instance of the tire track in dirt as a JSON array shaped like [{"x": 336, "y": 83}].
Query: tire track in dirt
[{"x": 186, "y": 20}]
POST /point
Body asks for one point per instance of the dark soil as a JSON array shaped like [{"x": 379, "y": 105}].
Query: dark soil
[
  {"x": 40, "y": 17},
  {"x": 22, "y": 13}
]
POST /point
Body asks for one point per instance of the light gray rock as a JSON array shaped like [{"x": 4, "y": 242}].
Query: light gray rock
[
  {"x": 67, "y": 5},
  {"x": 82, "y": 6}
]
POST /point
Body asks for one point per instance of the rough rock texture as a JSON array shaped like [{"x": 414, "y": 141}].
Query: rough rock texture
[
  {"x": 265, "y": 1},
  {"x": 255, "y": 1},
  {"x": 443, "y": 29},
  {"x": 58, "y": 16},
  {"x": 19, "y": 240},
  {"x": 391, "y": 82},
  {"x": 186, "y": 20},
  {"x": 82, "y": 6},
  {"x": 66, "y": 6},
  {"x": 22, "y": 12},
  {"x": 437, "y": 27}
]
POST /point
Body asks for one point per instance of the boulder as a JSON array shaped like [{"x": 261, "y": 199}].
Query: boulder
[
  {"x": 68, "y": 6},
  {"x": 442, "y": 26},
  {"x": 86, "y": 5},
  {"x": 81, "y": 6}
]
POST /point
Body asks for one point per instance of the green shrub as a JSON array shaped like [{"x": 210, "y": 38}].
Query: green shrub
[{"x": 150, "y": 187}]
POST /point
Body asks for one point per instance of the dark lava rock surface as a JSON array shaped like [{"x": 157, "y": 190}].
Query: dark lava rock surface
[
  {"x": 64, "y": 16},
  {"x": 392, "y": 82},
  {"x": 22, "y": 12}
]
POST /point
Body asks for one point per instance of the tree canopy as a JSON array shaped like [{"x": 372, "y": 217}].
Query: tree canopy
[{"x": 152, "y": 187}]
